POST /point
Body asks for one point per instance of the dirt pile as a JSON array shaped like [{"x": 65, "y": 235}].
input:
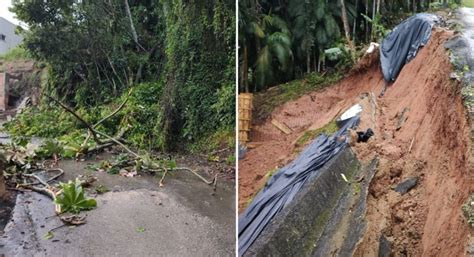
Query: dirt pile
[{"x": 421, "y": 131}]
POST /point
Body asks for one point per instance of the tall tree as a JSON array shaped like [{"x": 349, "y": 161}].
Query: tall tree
[{"x": 345, "y": 21}]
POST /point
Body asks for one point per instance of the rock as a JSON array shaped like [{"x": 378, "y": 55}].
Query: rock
[
  {"x": 406, "y": 185},
  {"x": 395, "y": 172},
  {"x": 456, "y": 42},
  {"x": 398, "y": 216},
  {"x": 414, "y": 234},
  {"x": 455, "y": 76},
  {"x": 408, "y": 205},
  {"x": 385, "y": 247}
]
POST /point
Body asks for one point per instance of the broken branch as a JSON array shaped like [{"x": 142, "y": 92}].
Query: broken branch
[
  {"x": 89, "y": 127},
  {"x": 163, "y": 178},
  {"x": 119, "y": 143},
  {"x": 116, "y": 110},
  {"x": 61, "y": 172},
  {"x": 197, "y": 175}
]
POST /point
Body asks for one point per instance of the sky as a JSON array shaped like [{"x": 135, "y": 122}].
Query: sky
[{"x": 4, "y": 5}]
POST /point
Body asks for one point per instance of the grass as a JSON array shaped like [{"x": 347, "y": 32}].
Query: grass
[
  {"x": 220, "y": 139},
  {"x": 14, "y": 54},
  {"x": 468, "y": 3},
  {"x": 468, "y": 210},
  {"x": 309, "y": 135},
  {"x": 267, "y": 177},
  {"x": 266, "y": 101}
]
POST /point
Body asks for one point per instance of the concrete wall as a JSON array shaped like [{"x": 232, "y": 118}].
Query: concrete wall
[
  {"x": 11, "y": 39},
  {"x": 297, "y": 230}
]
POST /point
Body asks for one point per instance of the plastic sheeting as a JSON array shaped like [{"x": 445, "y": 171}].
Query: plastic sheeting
[
  {"x": 353, "y": 111},
  {"x": 283, "y": 186},
  {"x": 402, "y": 44}
]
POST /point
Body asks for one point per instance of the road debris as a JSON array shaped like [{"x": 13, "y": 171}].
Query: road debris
[
  {"x": 406, "y": 185},
  {"x": 281, "y": 126}
]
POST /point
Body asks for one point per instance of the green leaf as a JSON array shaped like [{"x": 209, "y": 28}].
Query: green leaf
[{"x": 48, "y": 235}]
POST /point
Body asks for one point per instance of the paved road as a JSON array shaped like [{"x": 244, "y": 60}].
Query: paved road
[
  {"x": 139, "y": 219},
  {"x": 462, "y": 47}
]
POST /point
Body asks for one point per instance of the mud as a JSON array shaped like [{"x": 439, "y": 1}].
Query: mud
[{"x": 421, "y": 130}]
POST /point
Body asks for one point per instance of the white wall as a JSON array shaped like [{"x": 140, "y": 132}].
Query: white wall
[{"x": 11, "y": 40}]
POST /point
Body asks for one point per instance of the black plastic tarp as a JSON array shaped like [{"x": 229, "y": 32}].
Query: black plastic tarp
[
  {"x": 282, "y": 187},
  {"x": 401, "y": 45}
]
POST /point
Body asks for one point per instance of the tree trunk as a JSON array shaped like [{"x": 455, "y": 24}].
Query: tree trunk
[
  {"x": 374, "y": 10},
  {"x": 315, "y": 62},
  {"x": 366, "y": 22},
  {"x": 245, "y": 70},
  {"x": 132, "y": 27},
  {"x": 308, "y": 61},
  {"x": 345, "y": 22},
  {"x": 354, "y": 25}
]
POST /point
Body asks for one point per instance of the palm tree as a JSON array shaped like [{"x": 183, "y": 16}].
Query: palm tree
[
  {"x": 249, "y": 30},
  {"x": 314, "y": 27},
  {"x": 276, "y": 53},
  {"x": 345, "y": 22}
]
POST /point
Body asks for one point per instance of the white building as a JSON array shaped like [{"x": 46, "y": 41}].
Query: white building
[{"x": 8, "y": 38}]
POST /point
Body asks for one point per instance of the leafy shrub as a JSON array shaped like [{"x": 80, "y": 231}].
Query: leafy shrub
[
  {"x": 72, "y": 198},
  {"x": 17, "y": 53},
  {"x": 46, "y": 122},
  {"x": 144, "y": 114}
]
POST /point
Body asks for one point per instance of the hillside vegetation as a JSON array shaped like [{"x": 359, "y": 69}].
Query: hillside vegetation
[
  {"x": 281, "y": 41},
  {"x": 176, "y": 57}
]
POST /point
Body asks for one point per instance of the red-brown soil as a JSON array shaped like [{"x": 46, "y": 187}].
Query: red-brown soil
[{"x": 433, "y": 143}]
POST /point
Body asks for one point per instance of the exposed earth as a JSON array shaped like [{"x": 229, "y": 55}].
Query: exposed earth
[{"x": 421, "y": 130}]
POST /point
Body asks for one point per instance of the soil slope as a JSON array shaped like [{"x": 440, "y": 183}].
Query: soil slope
[{"x": 421, "y": 131}]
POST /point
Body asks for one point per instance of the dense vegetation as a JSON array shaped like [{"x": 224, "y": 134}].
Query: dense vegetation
[
  {"x": 178, "y": 56},
  {"x": 284, "y": 40}
]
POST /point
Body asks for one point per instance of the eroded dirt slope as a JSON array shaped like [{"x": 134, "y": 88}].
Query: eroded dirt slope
[{"x": 421, "y": 131}]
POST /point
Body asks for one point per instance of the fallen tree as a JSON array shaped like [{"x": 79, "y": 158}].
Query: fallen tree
[{"x": 140, "y": 162}]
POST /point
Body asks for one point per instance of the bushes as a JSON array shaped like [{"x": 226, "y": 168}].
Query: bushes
[
  {"x": 47, "y": 122},
  {"x": 183, "y": 55},
  {"x": 142, "y": 114},
  {"x": 17, "y": 53}
]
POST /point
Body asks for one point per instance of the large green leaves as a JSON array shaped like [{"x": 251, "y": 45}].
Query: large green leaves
[
  {"x": 276, "y": 55},
  {"x": 72, "y": 198},
  {"x": 314, "y": 26}
]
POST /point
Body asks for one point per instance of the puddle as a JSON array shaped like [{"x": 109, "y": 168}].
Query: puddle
[{"x": 6, "y": 208}]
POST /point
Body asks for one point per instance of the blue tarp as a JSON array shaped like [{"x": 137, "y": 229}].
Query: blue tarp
[
  {"x": 282, "y": 187},
  {"x": 401, "y": 45}
]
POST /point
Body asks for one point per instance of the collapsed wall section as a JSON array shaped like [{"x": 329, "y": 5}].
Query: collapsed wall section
[{"x": 327, "y": 218}]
